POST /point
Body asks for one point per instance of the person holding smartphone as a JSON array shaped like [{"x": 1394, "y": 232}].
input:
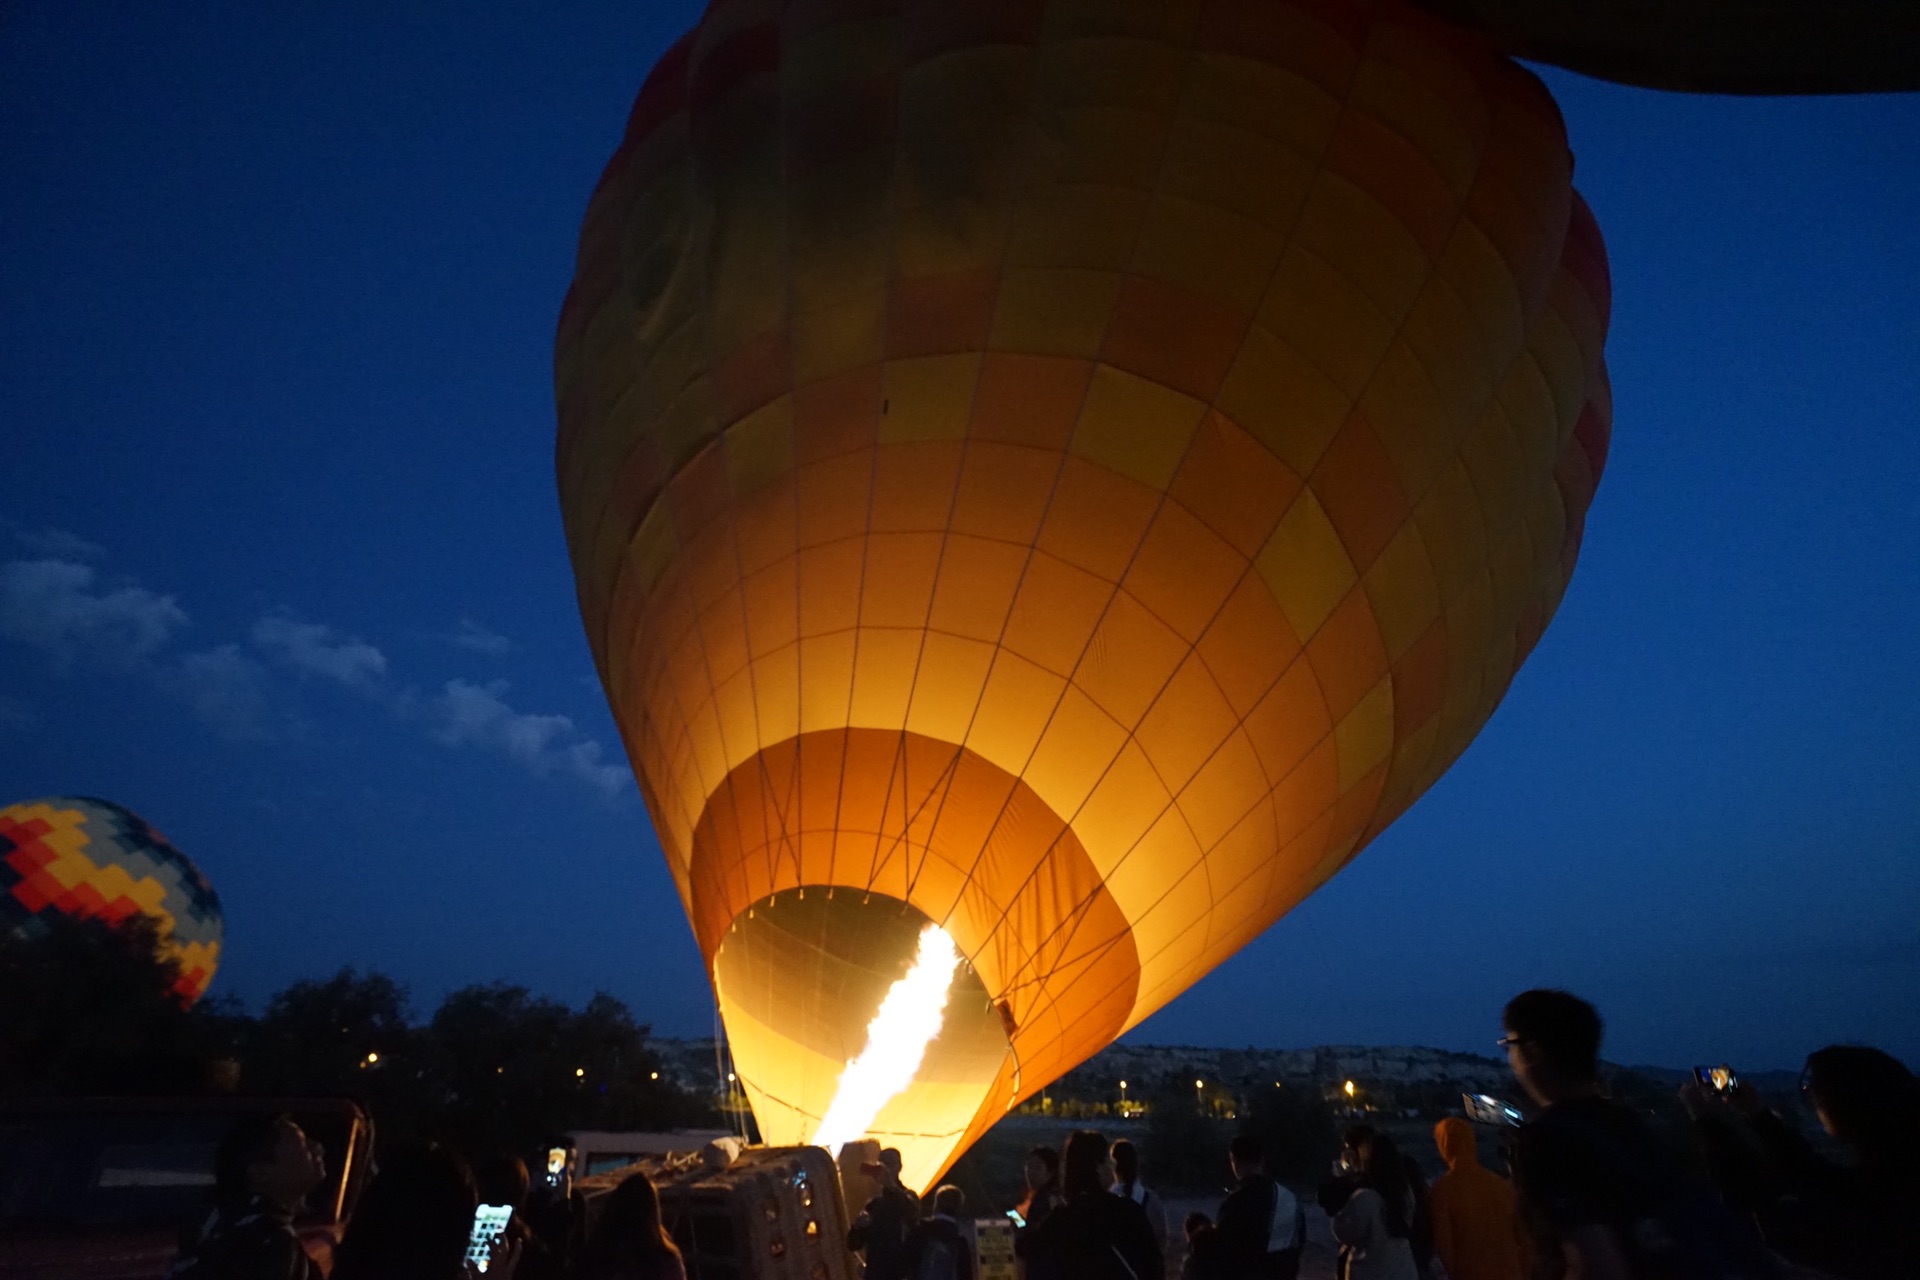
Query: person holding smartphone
[
  {"x": 417, "y": 1222},
  {"x": 1858, "y": 1220}
]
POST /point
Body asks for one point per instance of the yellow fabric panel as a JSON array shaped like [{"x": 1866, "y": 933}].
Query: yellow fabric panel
[
  {"x": 760, "y": 447},
  {"x": 1283, "y": 400},
  {"x": 1306, "y": 565},
  {"x": 1236, "y": 170},
  {"x": 1135, "y": 427},
  {"x": 1328, "y": 319},
  {"x": 836, "y": 338},
  {"x": 1207, "y": 249},
  {"x": 1053, "y": 311},
  {"x": 1114, "y": 450}
]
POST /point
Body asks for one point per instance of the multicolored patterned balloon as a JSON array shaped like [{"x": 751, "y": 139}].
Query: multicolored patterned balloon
[{"x": 91, "y": 859}]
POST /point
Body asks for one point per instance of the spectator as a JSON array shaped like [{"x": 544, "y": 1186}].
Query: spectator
[
  {"x": 1374, "y": 1226},
  {"x": 502, "y": 1178},
  {"x": 1598, "y": 1195},
  {"x": 263, "y": 1170},
  {"x": 1858, "y": 1220},
  {"x": 1126, "y": 1182},
  {"x": 1262, "y": 1227},
  {"x": 1094, "y": 1235},
  {"x": 1474, "y": 1231},
  {"x": 629, "y": 1241},
  {"x": 414, "y": 1221},
  {"x": 882, "y": 1228},
  {"x": 1198, "y": 1264},
  {"x": 938, "y": 1248},
  {"x": 1422, "y": 1237},
  {"x": 1042, "y": 1169}
]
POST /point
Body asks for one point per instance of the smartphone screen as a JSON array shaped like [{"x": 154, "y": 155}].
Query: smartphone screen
[
  {"x": 489, "y": 1221},
  {"x": 556, "y": 1164},
  {"x": 1720, "y": 1079},
  {"x": 1487, "y": 1109}
]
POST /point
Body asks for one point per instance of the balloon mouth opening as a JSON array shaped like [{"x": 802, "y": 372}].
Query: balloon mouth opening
[{"x": 853, "y": 1015}]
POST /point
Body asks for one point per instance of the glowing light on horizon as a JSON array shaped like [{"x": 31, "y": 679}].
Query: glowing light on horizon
[{"x": 897, "y": 1040}]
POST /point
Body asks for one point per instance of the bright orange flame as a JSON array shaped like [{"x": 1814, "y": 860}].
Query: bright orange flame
[{"x": 897, "y": 1040}]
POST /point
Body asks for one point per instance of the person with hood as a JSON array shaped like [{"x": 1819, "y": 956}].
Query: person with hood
[{"x": 1473, "y": 1210}]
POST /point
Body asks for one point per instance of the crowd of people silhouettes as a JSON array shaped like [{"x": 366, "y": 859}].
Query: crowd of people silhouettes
[{"x": 1594, "y": 1193}]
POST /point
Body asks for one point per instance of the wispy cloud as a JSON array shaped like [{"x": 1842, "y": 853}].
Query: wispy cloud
[
  {"x": 55, "y": 606},
  {"x": 475, "y": 715},
  {"x": 227, "y": 689},
  {"x": 319, "y": 650},
  {"x": 62, "y": 608},
  {"x": 57, "y": 544},
  {"x": 472, "y": 636}
]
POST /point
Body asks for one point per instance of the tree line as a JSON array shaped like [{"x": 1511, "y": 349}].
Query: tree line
[{"x": 88, "y": 1010}]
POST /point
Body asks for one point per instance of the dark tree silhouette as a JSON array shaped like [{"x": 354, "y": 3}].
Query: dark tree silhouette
[{"x": 87, "y": 1007}]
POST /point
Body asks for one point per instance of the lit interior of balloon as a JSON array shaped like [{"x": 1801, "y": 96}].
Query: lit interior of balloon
[{"x": 805, "y": 980}]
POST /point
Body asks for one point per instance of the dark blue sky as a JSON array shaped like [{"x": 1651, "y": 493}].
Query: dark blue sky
[{"x": 281, "y": 565}]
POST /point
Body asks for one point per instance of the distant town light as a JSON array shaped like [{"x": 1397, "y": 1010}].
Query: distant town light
[
  {"x": 654, "y": 1076},
  {"x": 1349, "y": 1088},
  {"x": 372, "y": 1058},
  {"x": 579, "y": 1073}
]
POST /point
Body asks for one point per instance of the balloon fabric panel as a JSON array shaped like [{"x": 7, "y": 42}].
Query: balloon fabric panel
[{"x": 1069, "y": 472}]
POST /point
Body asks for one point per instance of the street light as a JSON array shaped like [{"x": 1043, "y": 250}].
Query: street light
[
  {"x": 579, "y": 1073},
  {"x": 654, "y": 1076},
  {"x": 1123, "y": 1099},
  {"x": 1349, "y": 1088}
]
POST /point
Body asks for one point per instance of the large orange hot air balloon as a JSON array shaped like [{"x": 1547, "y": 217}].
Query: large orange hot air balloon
[{"x": 1068, "y": 472}]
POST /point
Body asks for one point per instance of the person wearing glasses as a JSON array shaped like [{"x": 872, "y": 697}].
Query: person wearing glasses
[
  {"x": 1600, "y": 1197},
  {"x": 1858, "y": 1219}
]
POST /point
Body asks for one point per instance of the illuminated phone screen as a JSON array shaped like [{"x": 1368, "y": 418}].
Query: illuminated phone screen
[
  {"x": 489, "y": 1221},
  {"x": 556, "y": 1161}
]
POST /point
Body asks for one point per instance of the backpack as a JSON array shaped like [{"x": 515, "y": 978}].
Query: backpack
[{"x": 936, "y": 1260}]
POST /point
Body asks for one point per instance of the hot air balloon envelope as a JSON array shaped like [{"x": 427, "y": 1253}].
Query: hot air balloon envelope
[
  {"x": 92, "y": 859},
  {"x": 1062, "y": 474}
]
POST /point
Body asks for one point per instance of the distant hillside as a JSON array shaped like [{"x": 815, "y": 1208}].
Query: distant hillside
[
  {"x": 1392, "y": 1076},
  {"x": 1152, "y": 1070}
]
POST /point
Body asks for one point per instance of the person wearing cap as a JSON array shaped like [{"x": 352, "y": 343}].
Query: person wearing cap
[{"x": 881, "y": 1233}]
